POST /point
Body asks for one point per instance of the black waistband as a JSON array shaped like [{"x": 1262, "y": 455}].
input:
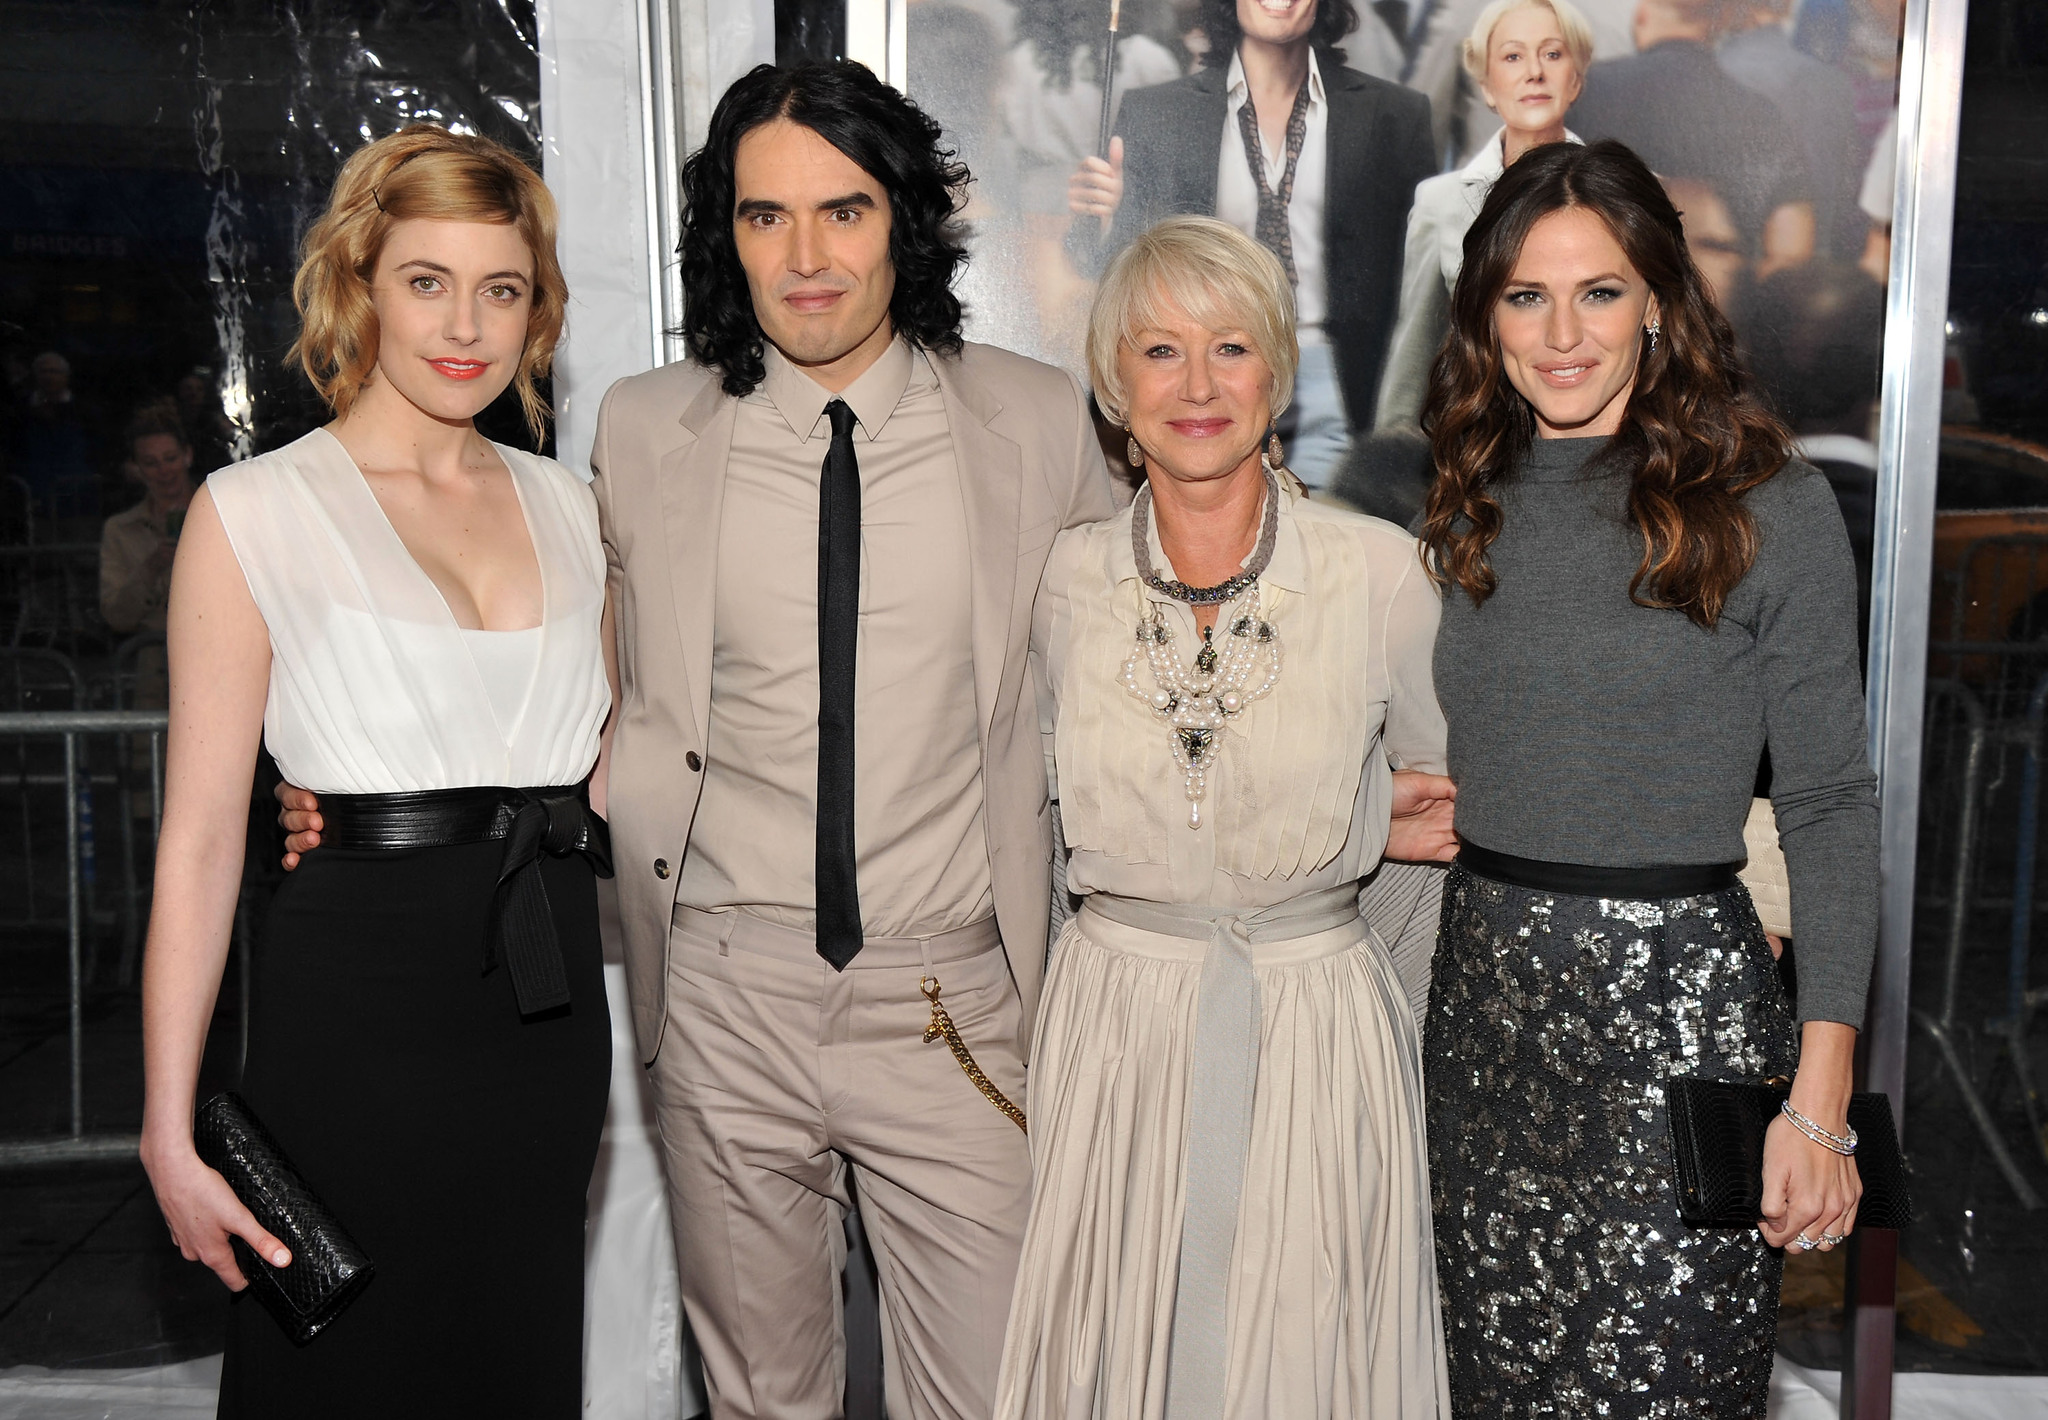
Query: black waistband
[
  {"x": 1653, "y": 884},
  {"x": 435, "y": 818},
  {"x": 556, "y": 820}
]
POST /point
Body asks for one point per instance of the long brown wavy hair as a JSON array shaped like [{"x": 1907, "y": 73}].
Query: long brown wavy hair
[{"x": 1694, "y": 437}]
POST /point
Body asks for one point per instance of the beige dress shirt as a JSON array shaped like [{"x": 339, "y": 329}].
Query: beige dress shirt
[
  {"x": 1299, "y": 800},
  {"x": 1237, "y": 201},
  {"x": 920, "y": 845},
  {"x": 131, "y": 597}
]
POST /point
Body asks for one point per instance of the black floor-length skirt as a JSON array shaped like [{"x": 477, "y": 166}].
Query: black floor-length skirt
[
  {"x": 1570, "y": 1288},
  {"x": 452, "y": 1138}
]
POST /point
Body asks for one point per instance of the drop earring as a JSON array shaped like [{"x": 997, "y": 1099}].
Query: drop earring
[
  {"x": 1135, "y": 454},
  {"x": 1653, "y": 330},
  {"x": 1276, "y": 452}
]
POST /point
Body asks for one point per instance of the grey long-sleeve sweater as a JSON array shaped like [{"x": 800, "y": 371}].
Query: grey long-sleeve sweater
[{"x": 1587, "y": 729}]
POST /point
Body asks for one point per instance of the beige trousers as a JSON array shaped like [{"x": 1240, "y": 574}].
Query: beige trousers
[{"x": 776, "y": 1076}]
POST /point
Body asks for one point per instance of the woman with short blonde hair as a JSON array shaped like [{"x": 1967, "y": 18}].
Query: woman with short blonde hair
[
  {"x": 1230, "y": 1214},
  {"x": 1203, "y": 269},
  {"x": 1528, "y": 60},
  {"x": 409, "y": 617}
]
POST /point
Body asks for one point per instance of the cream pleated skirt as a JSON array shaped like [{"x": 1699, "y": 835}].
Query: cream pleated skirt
[{"x": 1331, "y": 1306}]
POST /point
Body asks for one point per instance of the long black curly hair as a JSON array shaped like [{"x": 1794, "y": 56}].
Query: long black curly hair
[
  {"x": 887, "y": 136},
  {"x": 1334, "y": 20}
]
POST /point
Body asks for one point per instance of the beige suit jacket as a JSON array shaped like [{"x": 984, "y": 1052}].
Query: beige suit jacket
[{"x": 1029, "y": 466}]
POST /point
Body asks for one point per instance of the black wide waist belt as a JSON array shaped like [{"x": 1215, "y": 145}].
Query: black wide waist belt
[
  {"x": 556, "y": 821},
  {"x": 1582, "y": 880}
]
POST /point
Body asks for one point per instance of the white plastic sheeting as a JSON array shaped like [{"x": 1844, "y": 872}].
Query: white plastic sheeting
[
  {"x": 186, "y": 1392},
  {"x": 593, "y": 155},
  {"x": 1800, "y": 1394},
  {"x": 625, "y": 85},
  {"x": 635, "y": 1366}
]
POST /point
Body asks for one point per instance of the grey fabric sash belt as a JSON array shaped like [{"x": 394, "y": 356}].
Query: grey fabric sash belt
[{"x": 1224, "y": 1074}]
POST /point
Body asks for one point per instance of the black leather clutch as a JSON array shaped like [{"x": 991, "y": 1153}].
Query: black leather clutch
[
  {"x": 327, "y": 1269},
  {"x": 1717, "y": 1137}
]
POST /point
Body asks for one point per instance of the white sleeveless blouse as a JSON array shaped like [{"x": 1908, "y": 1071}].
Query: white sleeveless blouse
[{"x": 374, "y": 688}]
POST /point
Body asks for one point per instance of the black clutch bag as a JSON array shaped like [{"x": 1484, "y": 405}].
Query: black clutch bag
[
  {"x": 1717, "y": 1137},
  {"x": 327, "y": 1269}
]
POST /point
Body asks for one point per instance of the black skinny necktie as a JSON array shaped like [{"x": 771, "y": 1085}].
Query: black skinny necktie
[{"x": 839, "y": 938}]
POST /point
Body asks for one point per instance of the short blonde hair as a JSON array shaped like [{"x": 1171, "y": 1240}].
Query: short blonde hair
[
  {"x": 1573, "y": 29},
  {"x": 1208, "y": 271},
  {"x": 420, "y": 171}
]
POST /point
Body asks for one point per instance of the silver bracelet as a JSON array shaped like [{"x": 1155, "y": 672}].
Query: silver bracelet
[{"x": 1843, "y": 1144}]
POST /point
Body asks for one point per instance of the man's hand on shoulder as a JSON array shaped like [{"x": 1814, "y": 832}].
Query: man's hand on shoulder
[
  {"x": 298, "y": 814},
  {"x": 1420, "y": 830}
]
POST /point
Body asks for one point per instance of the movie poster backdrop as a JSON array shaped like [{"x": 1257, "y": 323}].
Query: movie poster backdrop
[{"x": 1767, "y": 119}]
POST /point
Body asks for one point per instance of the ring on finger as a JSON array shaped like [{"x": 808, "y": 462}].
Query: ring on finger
[
  {"x": 1831, "y": 1239},
  {"x": 1805, "y": 1243}
]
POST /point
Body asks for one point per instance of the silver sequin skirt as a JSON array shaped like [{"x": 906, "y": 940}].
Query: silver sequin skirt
[{"x": 1569, "y": 1286}]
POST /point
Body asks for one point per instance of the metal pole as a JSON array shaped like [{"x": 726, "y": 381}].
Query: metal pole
[
  {"x": 1909, "y": 447},
  {"x": 156, "y": 784},
  {"x": 76, "y": 933},
  {"x": 1109, "y": 79}
]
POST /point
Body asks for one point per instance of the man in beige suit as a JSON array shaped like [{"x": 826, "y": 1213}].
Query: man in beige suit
[
  {"x": 810, "y": 820},
  {"x": 823, "y": 773}
]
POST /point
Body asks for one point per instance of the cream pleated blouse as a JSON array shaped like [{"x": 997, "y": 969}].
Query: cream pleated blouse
[
  {"x": 1299, "y": 798},
  {"x": 374, "y": 687}
]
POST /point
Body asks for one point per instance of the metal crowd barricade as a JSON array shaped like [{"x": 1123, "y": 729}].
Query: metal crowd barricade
[
  {"x": 50, "y": 594},
  {"x": 71, "y": 726}
]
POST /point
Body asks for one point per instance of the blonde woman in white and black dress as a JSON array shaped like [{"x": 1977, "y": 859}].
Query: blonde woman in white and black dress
[
  {"x": 1230, "y": 1214},
  {"x": 410, "y": 617}
]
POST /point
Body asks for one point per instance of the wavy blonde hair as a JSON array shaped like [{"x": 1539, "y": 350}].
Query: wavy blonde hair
[
  {"x": 421, "y": 171},
  {"x": 1211, "y": 272}
]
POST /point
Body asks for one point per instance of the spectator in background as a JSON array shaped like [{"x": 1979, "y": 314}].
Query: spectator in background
[
  {"x": 136, "y": 546},
  {"x": 1338, "y": 156},
  {"x": 1818, "y": 101},
  {"x": 1686, "y": 117},
  {"x": 205, "y": 422},
  {"x": 52, "y": 450}
]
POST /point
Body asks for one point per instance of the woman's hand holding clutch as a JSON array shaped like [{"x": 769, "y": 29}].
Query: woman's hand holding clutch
[
  {"x": 202, "y": 1212},
  {"x": 1419, "y": 830}
]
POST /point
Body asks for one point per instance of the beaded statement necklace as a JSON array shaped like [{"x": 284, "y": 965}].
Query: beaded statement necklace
[{"x": 1196, "y": 700}]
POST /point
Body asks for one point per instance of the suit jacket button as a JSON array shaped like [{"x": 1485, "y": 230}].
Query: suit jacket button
[
  {"x": 693, "y": 760},
  {"x": 661, "y": 867}
]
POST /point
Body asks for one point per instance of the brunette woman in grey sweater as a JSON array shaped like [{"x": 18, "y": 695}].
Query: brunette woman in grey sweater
[{"x": 1643, "y": 591}]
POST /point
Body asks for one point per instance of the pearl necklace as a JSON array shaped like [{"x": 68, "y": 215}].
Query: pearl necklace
[{"x": 1197, "y": 701}]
